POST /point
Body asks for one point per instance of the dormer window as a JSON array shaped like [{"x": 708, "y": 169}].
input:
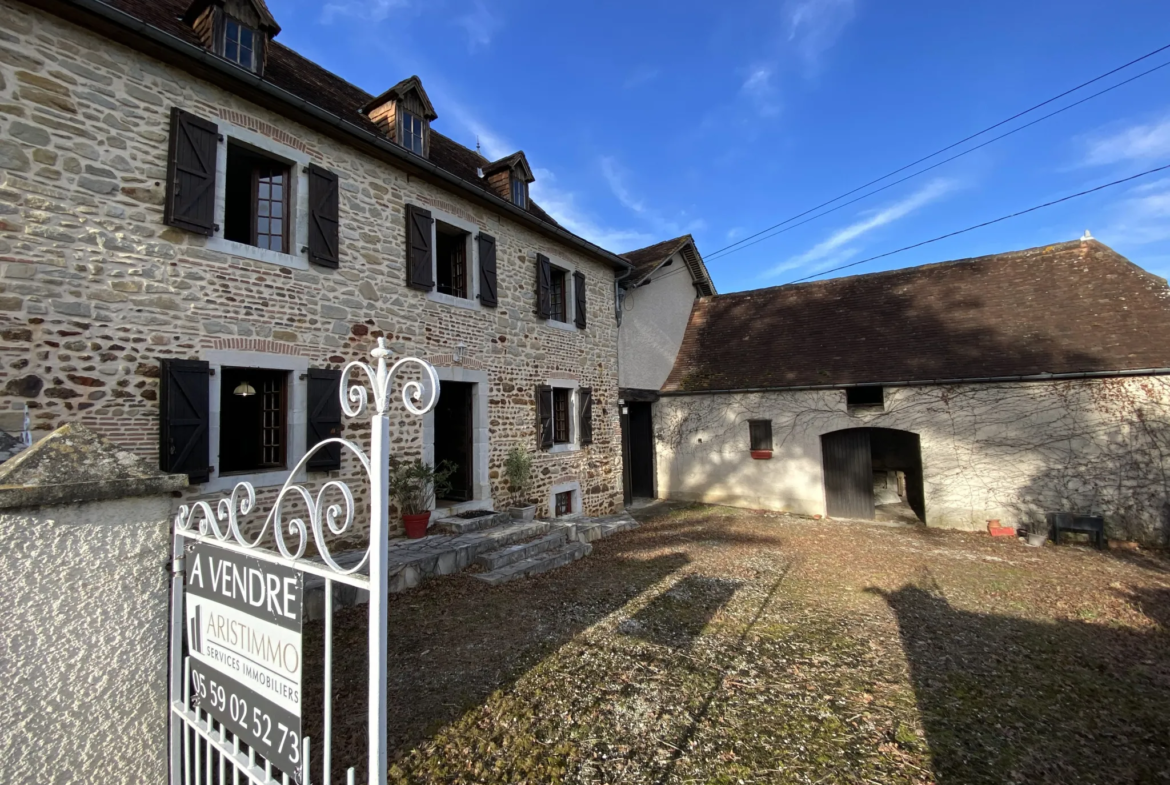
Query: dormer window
[
  {"x": 413, "y": 133},
  {"x": 239, "y": 44},
  {"x": 519, "y": 192}
]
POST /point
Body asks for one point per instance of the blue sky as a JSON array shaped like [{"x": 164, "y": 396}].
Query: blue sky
[{"x": 646, "y": 120}]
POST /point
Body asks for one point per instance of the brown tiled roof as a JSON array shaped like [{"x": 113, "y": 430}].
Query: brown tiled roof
[
  {"x": 646, "y": 259},
  {"x": 306, "y": 80},
  {"x": 1076, "y": 307}
]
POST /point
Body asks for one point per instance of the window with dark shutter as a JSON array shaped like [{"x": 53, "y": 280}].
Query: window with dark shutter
[
  {"x": 543, "y": 286},
  {"x": 579, "y": 298},
  {"x": 419, "y": 252},
  {"x": 190, "y": 197},
  {"x": 585, "y": 406},
  {"x": 544, "y": 416},
  {"x": 487, "y": 270},
  {"x": 184, "y": 418},
  {"x": 760, "y": 433},
  {"x": 324, "y": 218},
  {"x": 324, "y": 420}
]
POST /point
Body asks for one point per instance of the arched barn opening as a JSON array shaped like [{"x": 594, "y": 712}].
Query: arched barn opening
[{"x": 873, "y": 473}]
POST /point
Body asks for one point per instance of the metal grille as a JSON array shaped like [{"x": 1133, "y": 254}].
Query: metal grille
[
  {"x": 272, "y": 425},
  {"x": 564, "y": 503},
  {"x": 560, "y": 416},
  {"x": 459, "y": 270}
]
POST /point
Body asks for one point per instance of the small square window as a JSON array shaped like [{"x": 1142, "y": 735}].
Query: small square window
[
  {"x": 564, "y": 503},
  {"x": 239, "y": 44},
  {"x": 760, "y": 434},
  {"x": 561, "y": 433},
  {"x": 451, "y": 260},
  {"x": 412, "y": 132},
  {"x": 558, "y": 295},
  {"x": 870, "y": 396},
  {"x": 519, "y": 188},
  {"x": 253, "y": 430},
  {"x": 256, "y": 200}
]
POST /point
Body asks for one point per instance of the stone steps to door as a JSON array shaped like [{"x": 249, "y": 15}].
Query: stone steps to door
[
  {"x": 534, "y": 565},
  {"x": 514, "y": 553}
]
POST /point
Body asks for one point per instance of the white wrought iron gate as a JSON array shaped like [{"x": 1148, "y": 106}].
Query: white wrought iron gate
[{"x": 204, "y": 749}]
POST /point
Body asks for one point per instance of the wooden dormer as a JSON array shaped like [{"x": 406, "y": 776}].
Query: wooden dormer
[
  {"x": 509, "y": 178},
  {"x": 404, "y": 113},
  {"x": 236, "y": 30}
]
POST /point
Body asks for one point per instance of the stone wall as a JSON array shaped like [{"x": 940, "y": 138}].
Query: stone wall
[
  {"x": 1007, "y": 451},
  {"x": 95, "y": 290}
]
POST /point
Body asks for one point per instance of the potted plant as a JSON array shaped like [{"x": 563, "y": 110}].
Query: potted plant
[
  {"x": 518, "y": 472},
  {"x": 415, "y": 485},
  {"x": 1037, "y": 532}
]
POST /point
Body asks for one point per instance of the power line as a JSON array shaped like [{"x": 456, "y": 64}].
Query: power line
[
  {"x": 943, "y": 150},
  {"x": 985, "y": 223},
  {"x": 729, "y": 250}
]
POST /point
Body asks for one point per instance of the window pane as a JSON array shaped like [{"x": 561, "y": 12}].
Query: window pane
[
  {"x": 277, "y": 189},
  {"x": 277, "y": 227},
  {"x": 246, "y": 38},
  {"x": 262, "y": 225},
  {"x": 233, "y": 31},
  {"x": 231, "y": 52}
]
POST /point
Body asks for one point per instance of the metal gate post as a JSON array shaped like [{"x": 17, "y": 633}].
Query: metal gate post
[{"x": 379, "y": 545}]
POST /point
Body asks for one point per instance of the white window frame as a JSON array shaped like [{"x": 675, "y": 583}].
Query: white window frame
[
  {"x": 572, "y": 486},
  {"x": 570, "y": 296},
  {"x": 298, "y": 232},
  {"x": 518, "y": 181},
  {"x": 251, "y": 64},
  {"x": 574, "y": 443},
  {"x": 403, "y": 135},
  {"x": 471, "y": 302},
  {"x": 297, "y": 415}
]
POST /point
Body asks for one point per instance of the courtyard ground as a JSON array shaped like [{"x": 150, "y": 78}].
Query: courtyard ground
[{"x": 727, "y": 646}]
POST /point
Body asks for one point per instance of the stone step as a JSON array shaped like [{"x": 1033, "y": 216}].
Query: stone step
[
  {"x": 514, "y": 553},
  {"x": 591, "y": 529},
  {"x": 456, "y": 525},
  {"x": 534, "y": 565}
]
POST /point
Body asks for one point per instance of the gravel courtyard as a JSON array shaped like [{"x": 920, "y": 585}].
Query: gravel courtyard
[{"x": 727, "y": 646}]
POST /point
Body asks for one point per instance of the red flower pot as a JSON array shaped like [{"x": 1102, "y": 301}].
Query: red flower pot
[
  {"x": 762, "y": 455},
  {"x": 416, "y": 525}
]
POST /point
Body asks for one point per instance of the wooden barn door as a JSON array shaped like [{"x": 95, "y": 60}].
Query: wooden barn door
[{"x": 848, "y": 474}]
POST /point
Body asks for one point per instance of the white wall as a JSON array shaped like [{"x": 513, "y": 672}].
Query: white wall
[
  {"x": 654, "y": 318},
  {"x": 84, "y": 638},
  {"x": 1007, "y": 451}
]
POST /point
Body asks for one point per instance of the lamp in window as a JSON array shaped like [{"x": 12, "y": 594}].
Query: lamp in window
[{"x": 243, "y": 389}]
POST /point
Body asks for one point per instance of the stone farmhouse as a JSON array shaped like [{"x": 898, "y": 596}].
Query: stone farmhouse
[
  {"x": 999, "y": 387},
  {"x": 199, "y": 228}
]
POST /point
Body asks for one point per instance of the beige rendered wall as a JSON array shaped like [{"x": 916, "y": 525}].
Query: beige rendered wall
[
  {"x": 654, "y": 318},
  {"x": 1007, "y": 451},
  {"x": 83, "y": 642}
]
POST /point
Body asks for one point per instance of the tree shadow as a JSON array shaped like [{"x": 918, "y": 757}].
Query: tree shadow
[
  {"x": 1005, "y": 699},
  {"x": 455, "y": 641},
  {"x": 676, "y": 617}
]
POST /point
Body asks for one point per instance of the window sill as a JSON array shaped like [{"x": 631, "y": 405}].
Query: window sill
[
  {"x": 560, "y": 448},
  {"x": 566, "y": 326},
  {"x": 452, "y": 300},
  {"x": 227, "y": 482},
  {"x": 860, "y": 410},
  {"x": 245, "y": 251}
]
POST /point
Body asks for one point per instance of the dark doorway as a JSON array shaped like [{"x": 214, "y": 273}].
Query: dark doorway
[
  {"x": 453, "y": 433},
  {"x": 873, "y": 469},
  {"x": 641, "y": 440}
]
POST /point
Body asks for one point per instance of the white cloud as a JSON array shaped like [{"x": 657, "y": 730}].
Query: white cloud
[
  {"x": 492, "y": 145},
  {"x": 814, "y": 26},
  {"x": 661, "y": 225},
  {"x": 758, "y": 87},
  {"x": 1140, "y": 142},
  {"x": 835, "y": 245},
  {"x": 365, "y": 10},
  {"x": 480, "y": 24},
  {"x": 643, "y": 74},
  {"x": 734, "y": 232},
  {"x": 615, "y": 178},
  {"x": 1142, "y": 217},
  {"x": 562, "y": 206}
]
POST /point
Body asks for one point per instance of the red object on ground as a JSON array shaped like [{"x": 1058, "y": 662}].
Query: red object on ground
[
  {"x": 762, "y": 455},
  {"x": 995, "y": 530},
  {"x": 416, "y": 525}
]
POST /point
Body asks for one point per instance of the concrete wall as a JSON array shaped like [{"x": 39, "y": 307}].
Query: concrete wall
[
  {"x": 1007, "y": 451},
  {"x": 654, "y": 318},
  {"x": 95, "y": 289},
  {"x": 83, "y": 642}
]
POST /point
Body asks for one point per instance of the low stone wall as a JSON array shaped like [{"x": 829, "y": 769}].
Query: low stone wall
[{"x": 84, "y": 634}]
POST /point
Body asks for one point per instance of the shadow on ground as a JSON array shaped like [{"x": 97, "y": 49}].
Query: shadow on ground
[
  {"x": 1006, "y": 699},
  {"x": 454, "y": 642}
]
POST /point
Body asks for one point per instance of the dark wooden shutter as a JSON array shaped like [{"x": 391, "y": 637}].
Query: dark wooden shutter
[
  {"x": 487, "y": 270},
  {"x": 419, "y": 253},
  {"x": 544, "y": 415},
  {"x": 324, "y": 420},
  {"x": 184, "y": 404},
  {"x": 760, "y": 434},
  {"x": 585, "y": 406},
  {"x": 190, "y": 197},
  {"x": 579, "y": 297},
  {"x": 848, "y": 465},
  {"x": 324, "y": 218},
  {"x": 543, "y": 286}
]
